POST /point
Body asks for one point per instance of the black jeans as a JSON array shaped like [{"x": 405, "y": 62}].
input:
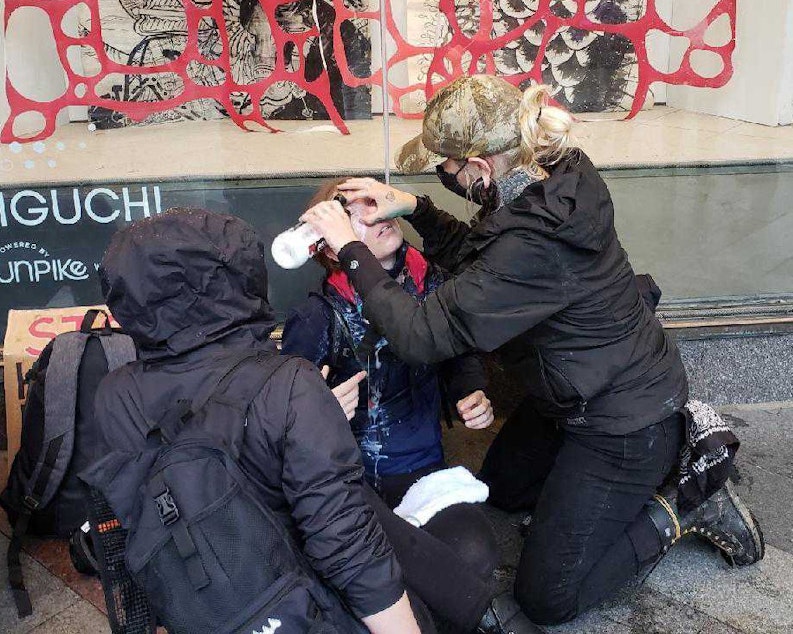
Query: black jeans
[
  {"x": 589, "y": 534},
  {"x": 448, "y": 563}
]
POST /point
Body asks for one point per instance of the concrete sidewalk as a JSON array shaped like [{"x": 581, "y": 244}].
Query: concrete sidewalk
[
  {"x": 57, "y": 609},
  {"x": 692, "y": 591}
]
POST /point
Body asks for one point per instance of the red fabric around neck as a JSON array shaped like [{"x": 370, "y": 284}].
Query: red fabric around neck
[{"x": 414, "y": 262}]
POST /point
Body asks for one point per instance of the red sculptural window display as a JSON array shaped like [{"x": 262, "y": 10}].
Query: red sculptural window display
[{"x": 552, "y": 41}]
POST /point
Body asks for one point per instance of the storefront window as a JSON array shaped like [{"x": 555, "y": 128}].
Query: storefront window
[
  {"x": 659, "y": 89},
  {"x": 118, "y": 110},
  {"x": 114, "y": 110}
]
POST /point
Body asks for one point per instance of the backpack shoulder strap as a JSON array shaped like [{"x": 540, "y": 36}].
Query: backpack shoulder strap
[
  {"x": 341, "y": 337},
  {"x": 264, "y": 364},
  {"x": 118, "y": 347},
  {"x": 229, "y": 401},
  {"x": 367, "y": 345},
  {"x": 60, "y": 404},
  {"x": 235, "y": 393},
  {"x": 119, "y": 350}
]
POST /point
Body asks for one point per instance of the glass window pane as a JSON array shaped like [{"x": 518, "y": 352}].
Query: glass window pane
[
  {"x": 652, "y": 84},
  {"x": 118, "y": 110}
]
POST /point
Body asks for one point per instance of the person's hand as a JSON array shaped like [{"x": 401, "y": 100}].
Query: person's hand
[
  {"x": 476, "y": 410},
  {"x": 346, "y": 393},
  {"x": 332, "y": 222},
  {"x": 390, "y": 202}
]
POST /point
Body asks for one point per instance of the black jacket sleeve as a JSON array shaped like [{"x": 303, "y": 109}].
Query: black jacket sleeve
[
  {"x": 514, "y": 284},
  {"x": 323, "y": 484},
  {"x": 463, "y": 375},
  {"x": 442, "y": 233},
  {"x": 649, "y": 290}
]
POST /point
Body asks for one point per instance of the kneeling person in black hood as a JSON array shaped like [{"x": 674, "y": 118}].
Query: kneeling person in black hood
[{"x": 190, "y": 287}]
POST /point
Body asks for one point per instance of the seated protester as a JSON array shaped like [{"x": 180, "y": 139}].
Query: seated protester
[
  {"x": 395, "y": 411},
  {"x": 190, "y": 287},
  {"x": 396, "y": 419}
]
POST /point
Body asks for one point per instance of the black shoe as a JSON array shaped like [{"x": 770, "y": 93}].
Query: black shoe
[
  {"x": 726, "y": 522},
  {"x": 503, "y": 616},
  {"x": 723, "y": 519}
]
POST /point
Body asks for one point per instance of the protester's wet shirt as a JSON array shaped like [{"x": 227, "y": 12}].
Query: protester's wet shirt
[{"x": 397, "y": 421}]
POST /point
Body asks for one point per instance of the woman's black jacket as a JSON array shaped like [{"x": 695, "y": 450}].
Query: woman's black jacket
[{"x": 545, "y": 282}]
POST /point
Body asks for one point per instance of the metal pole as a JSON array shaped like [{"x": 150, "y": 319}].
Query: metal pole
[{"x": 386, "y": 109}]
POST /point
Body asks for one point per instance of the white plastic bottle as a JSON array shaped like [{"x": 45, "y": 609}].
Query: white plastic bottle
[{"x": 295, "y": 246}]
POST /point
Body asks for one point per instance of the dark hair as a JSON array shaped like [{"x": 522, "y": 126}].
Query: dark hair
[{"x": 326, "y": 191}]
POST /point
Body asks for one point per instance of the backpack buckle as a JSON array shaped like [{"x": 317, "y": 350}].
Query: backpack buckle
[
  {"x": 30, "y": 503},
  {"x": 166, "y": 508}
]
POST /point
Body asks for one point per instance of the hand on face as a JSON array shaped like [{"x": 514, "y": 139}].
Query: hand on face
[
  {"x": 389, "y": 202},
  {"x": 476, "y": 410},
  {"x": 383, "y": 237},
  {"x": 332, "y": 223}
]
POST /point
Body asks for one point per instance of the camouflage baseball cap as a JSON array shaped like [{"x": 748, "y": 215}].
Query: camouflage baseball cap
[{"x": 472, "y": 116}]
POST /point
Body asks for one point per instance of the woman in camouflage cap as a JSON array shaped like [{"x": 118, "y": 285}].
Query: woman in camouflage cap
[{"x": 541, "y": 277}]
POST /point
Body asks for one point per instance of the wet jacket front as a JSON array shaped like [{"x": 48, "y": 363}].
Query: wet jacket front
[
  {"x": 545, "y": 281},
  {"x": 397, "y": 420},
  {"x": 191, "y": 289}
]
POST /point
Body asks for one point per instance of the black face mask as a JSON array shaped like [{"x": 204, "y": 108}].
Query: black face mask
[{"x": 477, "y": 193}]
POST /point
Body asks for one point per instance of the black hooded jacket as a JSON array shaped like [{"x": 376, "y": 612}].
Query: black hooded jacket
[
  {"x": 191, "y": 287},
  {"x": 545, "y": 281}
]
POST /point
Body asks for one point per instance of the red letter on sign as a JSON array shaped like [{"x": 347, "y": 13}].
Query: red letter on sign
[
  {"x": 42, "y": 334},
  {"x": 77, "y": 320}
]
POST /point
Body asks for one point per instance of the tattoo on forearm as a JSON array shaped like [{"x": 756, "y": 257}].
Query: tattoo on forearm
[{"x": 390, "y": 197}]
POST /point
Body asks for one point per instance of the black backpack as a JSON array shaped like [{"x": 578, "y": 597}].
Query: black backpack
[
  {"x": 209, "y": 556},
  {"x": 44, "y": 496}
]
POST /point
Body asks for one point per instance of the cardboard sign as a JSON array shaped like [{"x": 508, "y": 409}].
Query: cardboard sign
[{"x": 29, "y": 331}]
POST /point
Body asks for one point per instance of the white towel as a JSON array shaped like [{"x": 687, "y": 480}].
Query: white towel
[{"x": 440, "y": 490}]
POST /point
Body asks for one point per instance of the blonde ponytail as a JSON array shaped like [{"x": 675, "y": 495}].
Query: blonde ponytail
[{"x": 545, "y": 130}]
